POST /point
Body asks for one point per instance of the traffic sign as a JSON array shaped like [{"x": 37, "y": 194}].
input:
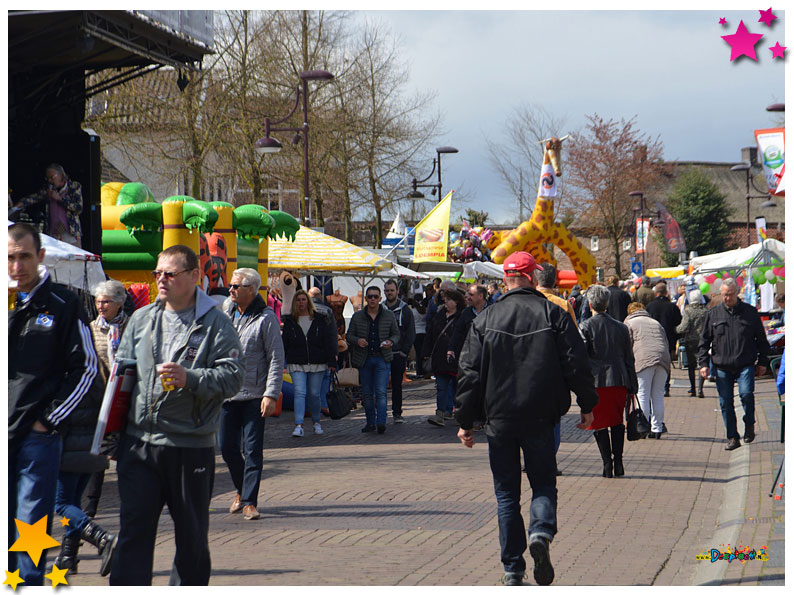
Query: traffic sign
[{"x": 636, "y": 267}]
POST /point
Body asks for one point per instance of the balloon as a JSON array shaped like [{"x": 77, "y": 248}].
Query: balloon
[
  {"x": 769, "y": 275},
  {"x": 710, "y": 278},
  {"x": 779, "y": 272},
  {"x": 704, "y": 288},
  {"x": 700, "y": 279},
  {"x": 773, "y": 280},
  {"x": 740, "y": 281},
  {"x": 453, "y": 236},
  {"x": 717, "y": 284},
  {"x": 758, "y": 277}
]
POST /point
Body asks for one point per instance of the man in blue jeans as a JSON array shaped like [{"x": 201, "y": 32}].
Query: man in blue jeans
[
  {"x": 735, "y": 334},
  {"x": 51, "y": 366},
  {"x": 372, "y": 333},
  {"x": 522, "y": 357}
]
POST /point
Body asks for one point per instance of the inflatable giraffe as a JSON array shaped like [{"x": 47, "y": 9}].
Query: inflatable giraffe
[{"x": 541, "y": 227}]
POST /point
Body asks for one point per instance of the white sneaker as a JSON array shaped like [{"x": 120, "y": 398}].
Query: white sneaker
[
  {"x": 318, "y": 429},
  {"x": 298, "y": 432}
]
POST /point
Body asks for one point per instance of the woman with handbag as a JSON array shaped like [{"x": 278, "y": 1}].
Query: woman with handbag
[
  {"x": 443, "y": 365},
  {"x": 310, "y": 349},
  {"x": 612, "y": 363},
  {"x": 651, "y": 362}
]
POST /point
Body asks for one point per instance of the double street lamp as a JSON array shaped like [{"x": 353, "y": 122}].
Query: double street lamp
[
  {"x": 268, "y": 144},
  {"x": 415, "y": 194},
  {"x": 748, "y": 179}
]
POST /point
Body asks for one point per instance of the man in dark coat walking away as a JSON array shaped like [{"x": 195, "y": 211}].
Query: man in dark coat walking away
[
  {"x": 619, "y": 300},
  {"x": 666, "y": 313},
  {"x": 522, "y": 357}
]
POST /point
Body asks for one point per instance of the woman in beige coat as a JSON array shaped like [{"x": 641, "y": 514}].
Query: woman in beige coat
[{"x": 651, "y": 362}]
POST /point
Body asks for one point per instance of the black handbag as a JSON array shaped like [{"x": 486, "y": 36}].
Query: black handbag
[
  {"x": 637, "y": 425},
  {"x": 339, "y": 404}
]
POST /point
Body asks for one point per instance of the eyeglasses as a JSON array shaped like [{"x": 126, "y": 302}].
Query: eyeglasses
[
  {"x": 168, "y": 275},
  {"x": 237, "y": 285},
  {"x": 373, "y": 297}
]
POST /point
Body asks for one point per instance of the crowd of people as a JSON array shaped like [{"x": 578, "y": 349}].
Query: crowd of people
[{"x": 504, "y": 357}]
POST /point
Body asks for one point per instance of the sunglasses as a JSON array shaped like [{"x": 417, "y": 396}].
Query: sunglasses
[
  {"x": 237, "y": 285},
  {"x": 373, "y": 297},
  {"x": 168, "y": 275}
]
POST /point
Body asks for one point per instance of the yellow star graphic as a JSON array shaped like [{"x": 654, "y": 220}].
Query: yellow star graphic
[
  {"x": 13, "y": 579},
  {"x": 57, "y": 576},
  {"x": 64, "y": 522},
  {"x": 33, "y": 539}
]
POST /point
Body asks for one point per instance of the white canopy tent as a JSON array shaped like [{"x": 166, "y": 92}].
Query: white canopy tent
[
  {"x": 766, "y": 253},
  {"x": 71, "y": 266}
]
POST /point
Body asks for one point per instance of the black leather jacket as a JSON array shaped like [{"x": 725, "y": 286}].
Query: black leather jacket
[
  {"x": 522, "y": 357},
  {"x": 610, "y": 351},
  {"x": 736, "y": 338},
  {"x": 319, "y": 346}
]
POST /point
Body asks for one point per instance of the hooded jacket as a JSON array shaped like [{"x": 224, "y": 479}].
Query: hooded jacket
[
  {"x": 263, "y": 351},
  {"x": 405, "y": 320},
  {"x": 52, "y": 362},
  {"x": 522, "y": 357},
  {"x": 649, "y": 341},
  {"x": 184, "y": 417}
]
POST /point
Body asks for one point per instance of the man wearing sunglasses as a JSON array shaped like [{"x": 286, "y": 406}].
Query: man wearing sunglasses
[
  {"x": 188, "y": 359},
  {"x": 372, "y": 333}
]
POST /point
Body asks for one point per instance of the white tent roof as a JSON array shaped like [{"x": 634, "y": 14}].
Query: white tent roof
[
  {"x": 755, "y": 255},
  {"x": 71, "y": 266},
  {"x": 491, "y": 270}
]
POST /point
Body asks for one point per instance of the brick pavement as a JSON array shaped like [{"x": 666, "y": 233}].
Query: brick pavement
[{"x": 414, "y": 507}]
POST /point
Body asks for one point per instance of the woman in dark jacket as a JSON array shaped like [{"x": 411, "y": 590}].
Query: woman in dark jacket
[
  {"x": 309, "y": 350},
  {"x": 444, "y": 366},
  {"x": 689, "y": 330},
  {"x": 612, "y": 363}
]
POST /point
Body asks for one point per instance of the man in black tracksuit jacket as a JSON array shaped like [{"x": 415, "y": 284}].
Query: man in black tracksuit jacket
[
  {"x": 522, "y": 357},
  {"x": 405, "y": 320},
  {"x": 51, "y": 366}
]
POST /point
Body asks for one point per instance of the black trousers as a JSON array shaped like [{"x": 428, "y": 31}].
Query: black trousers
[
  {"x": 149, "y": 477},
  {"x": 397, "y": 372}
]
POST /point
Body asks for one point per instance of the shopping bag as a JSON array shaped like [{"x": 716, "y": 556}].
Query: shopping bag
[
  {"x": 339, "y": 404},
  {"x": 347, "y": 376},
  {"x": 116, "y": 402},
  {"x": 637, "y": 425}
]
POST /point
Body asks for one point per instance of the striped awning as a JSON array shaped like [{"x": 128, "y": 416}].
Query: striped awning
[{"x": 318, "y": 252}]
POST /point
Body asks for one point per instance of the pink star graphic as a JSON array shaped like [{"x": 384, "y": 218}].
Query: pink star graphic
[
  {"x": 742, "y": 42},
  {"x": 777, "y": 51},
  {"x": 767, "y": 17},
  {"x": 723, "y": 22}
]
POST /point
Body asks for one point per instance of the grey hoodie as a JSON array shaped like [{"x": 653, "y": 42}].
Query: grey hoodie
[{"x": 185, "y": 417}]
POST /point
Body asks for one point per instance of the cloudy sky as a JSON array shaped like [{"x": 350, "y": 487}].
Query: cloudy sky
[{"x": 670, "y": 69}]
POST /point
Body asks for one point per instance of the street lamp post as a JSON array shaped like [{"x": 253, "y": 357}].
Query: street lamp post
[
  {"x": 746, "y": 167},
  {"x": 415, "y": 194},
  {"x": 651, "y": 217},
  {"x": 268, "y": 144}
]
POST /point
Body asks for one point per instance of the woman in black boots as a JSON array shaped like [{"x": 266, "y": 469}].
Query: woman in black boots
[{"x": 612, "y": 362}]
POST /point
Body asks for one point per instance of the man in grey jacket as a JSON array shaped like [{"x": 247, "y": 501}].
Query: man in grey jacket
[
  {"x": 243, "y": 415},
  {"x": 187, "y": 362}
]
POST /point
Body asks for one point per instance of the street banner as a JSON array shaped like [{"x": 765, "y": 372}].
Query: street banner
[
  {"x": 643, "y": 227},
  {"x": 771, "y": 155},
  {"x": 432, "y": 233},
  {"x": 673, "y": 238},
  {"x": 760, "y": 229}
]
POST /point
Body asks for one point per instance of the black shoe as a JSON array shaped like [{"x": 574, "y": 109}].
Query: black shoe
[
  {"x": 733, "y": 444},
  {"x": 701, "y": 395},
  {"x": 368, "y": 428},
  {"x": 619, "y": 471},
  {"x": 539, "y": 550},
  {"x": 103, "y": 541},
  {"x": 691, "y": 392},
  {"x": 513, "y": 579},
  {"x": 67, "y": 557},
  {"x": 666, "y": 394},
  {"x": 558, "y": 472},
  {"x": 664, "y": 428},
  {"x": 749, "y": 433},
  {"x": 381, "y": 429},
  {"x": 655, "y": 435}
]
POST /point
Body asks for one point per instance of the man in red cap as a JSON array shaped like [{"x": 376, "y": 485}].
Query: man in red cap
[{"x": 522, "y": 357}]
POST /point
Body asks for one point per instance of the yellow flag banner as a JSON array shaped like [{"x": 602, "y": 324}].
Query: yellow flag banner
[{"x": 432, "y": 233}]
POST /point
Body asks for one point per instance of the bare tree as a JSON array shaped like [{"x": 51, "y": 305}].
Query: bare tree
[
  {"x": 518, "y": 155},
  {"x": 606, "y": 162}
]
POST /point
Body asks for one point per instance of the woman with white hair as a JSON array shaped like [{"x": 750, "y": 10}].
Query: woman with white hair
[
  {"x": 612, "y": 363},
  {"x": 109, "y": 325},
  {"x": 689, "y": 330}
]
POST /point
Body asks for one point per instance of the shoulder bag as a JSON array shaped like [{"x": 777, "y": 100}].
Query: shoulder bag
[{"x": 637, "y": 426}]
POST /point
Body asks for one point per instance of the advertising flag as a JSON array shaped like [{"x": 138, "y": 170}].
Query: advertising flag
[
  {"x": 760, "y": 229},
  {"x": 673, "y": 238},
  {"x": 771, "y": 154},
  {"x": 432, "y": 233},
  {"x": 643, "y": 227}
]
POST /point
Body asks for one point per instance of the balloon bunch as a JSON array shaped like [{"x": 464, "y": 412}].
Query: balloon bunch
[{"x": 470, "y": 244}]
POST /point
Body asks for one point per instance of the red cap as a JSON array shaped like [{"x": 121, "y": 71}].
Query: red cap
[{"x": 522, "y": 263}]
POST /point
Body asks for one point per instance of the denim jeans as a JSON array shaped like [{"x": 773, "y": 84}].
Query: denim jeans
[
  {"x": 650, "y": 394},
  {"x": 374, "y": 379},
  {"x": 397, "y": 370},
  {"x": 445, "y": 392},
  {"x": 307, "y": 388},
  {"x": 243, "y": 421},
  {"x": 324, "y": 389},
  {"x": 32, "y": 478},
  {"x": 745, "y": 378},
  {"x": 68, "y": 496},
  {"x": 504, "y": 453}
]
